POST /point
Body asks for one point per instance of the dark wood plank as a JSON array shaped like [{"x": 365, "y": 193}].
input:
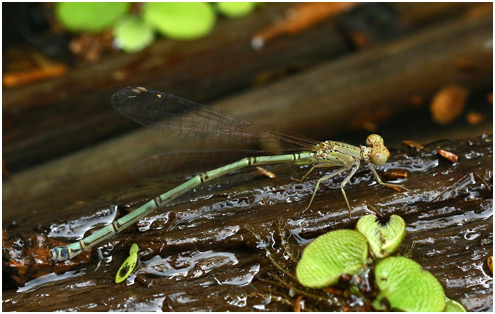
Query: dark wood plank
[{"x": 210, "y": 261}]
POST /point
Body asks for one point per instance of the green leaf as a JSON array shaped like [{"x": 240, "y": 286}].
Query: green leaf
[
  {"x": 453, "y": 306},
  {"x": 132, "y": 34},
  {"x": 180, "y": 20},
  {"x": 407, "y": 287},
  {"x": 331, "y": 255},
  {"x": 383, "y": 240},
  {"x": 235, "y": 9},
  {"x": 128, "y": 265},
  {"x": 89, "y": 16},
  {"x": 134, "y": 249}
]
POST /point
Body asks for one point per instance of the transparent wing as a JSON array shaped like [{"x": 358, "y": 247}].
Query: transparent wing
[{"x": 184, "y": 118}]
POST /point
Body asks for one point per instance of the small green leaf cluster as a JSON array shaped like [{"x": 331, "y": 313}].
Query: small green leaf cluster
[
  {"x": 175, "y": 20},
  {"x": 401, "y": 281},
  {"x": 89, "y": 16}
]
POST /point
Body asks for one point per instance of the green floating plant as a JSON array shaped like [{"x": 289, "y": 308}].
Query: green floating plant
[
  {"x": 331, "y": 255},
  {"x": 180, "y": 20},
  {"x": 453, "y": 306},
  {"x": 128, "y": 265},
  {"x": 132, "y": 34},
  {"x": 383, "y": 239},
  {"x": 89, "y": 16},
  {"x": 407, "y": 287},
  {"x": 235, "y": 9}
]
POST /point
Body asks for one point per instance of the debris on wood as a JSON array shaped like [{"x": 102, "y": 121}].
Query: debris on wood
[
  {"x": 395, "y": 174},
  {"x": 265, "y": 172},
  {"x": 448, "y": 155},
  {"x": 448, "y": 103},
  {"x": 413, "y": 144},
  {"x": 299, "y": 18}
]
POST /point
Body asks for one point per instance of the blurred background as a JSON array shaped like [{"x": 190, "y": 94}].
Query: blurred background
[{"x": 419, "y": 72}]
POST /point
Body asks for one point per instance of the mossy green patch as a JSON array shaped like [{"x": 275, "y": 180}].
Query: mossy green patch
[
  {"x": 331, "y": 255},
  {"x": 407, "y": 287}
]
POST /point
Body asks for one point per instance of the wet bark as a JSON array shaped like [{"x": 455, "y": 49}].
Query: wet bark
[{"x": 201, "y": 254}]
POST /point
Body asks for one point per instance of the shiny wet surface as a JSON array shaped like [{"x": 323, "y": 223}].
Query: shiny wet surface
[{"x": 215, "y": 249}]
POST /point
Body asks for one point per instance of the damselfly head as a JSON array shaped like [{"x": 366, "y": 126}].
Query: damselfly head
[
  {"x": 374, "y": 140},
  {"x": 379, "y": 155}
]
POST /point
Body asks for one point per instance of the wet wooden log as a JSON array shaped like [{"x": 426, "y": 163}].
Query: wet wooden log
[
  {"x": 371, "y": 85},
  {"x": 201, "y": 254}
]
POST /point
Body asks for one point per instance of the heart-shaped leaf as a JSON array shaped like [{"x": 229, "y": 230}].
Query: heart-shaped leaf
[
  {"x": 331, "y": 255},
  {"x": 407, "y": 287},
  {"x": 383, "y": 239}
]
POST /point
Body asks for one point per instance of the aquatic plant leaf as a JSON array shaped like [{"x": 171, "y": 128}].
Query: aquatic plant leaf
[
  {"x": 180, "y": 20},
  {"x": 383, "y": 240},
  {"x": 453, "y": 306},
  {"x": 331, "y": 255},
  {"x": 128, "y": 265},
  {"x": 89, "y": 16},
  {"x": 235, "y": 9},
  {"x": 132, "y": 34},
  {"x": 407, "y": 287}
]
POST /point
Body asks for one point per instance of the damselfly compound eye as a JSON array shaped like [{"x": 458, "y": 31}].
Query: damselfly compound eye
[
  {"x": 374, "y": 139},
  {"x": 379, "y": 156}
]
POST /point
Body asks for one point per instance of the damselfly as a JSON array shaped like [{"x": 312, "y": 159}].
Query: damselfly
[{"x": 177, "y": 116}]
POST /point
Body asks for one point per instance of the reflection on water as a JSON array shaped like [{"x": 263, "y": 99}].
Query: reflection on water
[{"x": 75, "y": 229}]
